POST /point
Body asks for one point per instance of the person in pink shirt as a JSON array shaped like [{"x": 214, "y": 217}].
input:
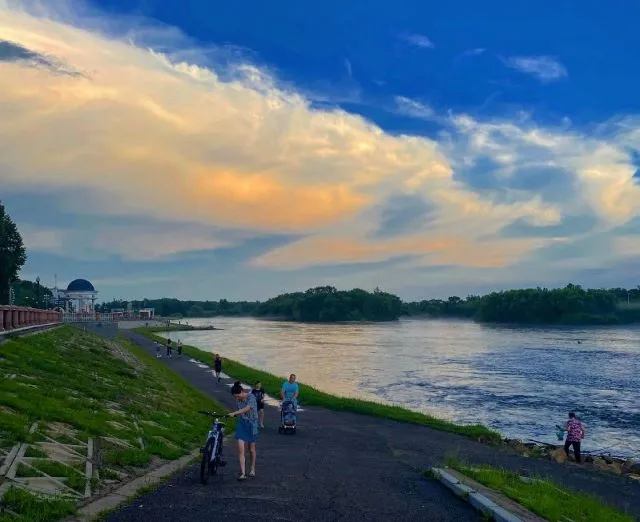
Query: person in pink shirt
[{"x": 575, "y": 434}]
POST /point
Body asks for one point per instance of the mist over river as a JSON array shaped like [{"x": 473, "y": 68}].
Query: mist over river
[{"x": 520, "y": 381}]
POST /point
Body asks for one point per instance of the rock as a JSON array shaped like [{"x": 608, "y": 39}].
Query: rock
[
  {"x": 558, "y": 455},
  {"x": 607, "y": 465},
  {"x": 631, "y": 467},
  {"x": 634, "y": 477}
]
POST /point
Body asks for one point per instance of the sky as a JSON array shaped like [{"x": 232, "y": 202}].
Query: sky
[{"x": 240, "y": 150}]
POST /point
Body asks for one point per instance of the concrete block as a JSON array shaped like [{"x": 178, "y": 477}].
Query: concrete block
[
  {"x": 477, "y": 500},
  {"x": 499, "y": 514}
]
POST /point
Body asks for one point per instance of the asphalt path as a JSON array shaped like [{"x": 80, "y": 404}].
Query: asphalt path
[{"x": 342, "y": 466}]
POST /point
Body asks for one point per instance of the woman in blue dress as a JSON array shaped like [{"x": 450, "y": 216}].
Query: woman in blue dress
[{"x": 246, "y": 427}]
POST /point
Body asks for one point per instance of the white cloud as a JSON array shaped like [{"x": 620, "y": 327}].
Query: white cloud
[
  {"x": 347, "y": 66},
  {"x": 130, "y": 243},
  {"x": 545, "y": 68},
  {"x": 413, "y": 108},
  {"x": 600, "y": 163},
  {"x": 473, "y": 52},
  {"x": 417, "y": 40}
]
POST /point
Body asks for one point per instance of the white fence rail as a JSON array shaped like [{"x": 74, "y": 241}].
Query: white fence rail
[{"x": 72, "y": 317}]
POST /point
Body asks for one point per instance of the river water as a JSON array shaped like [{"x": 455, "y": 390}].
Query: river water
[{"x": 520, "y": 381}]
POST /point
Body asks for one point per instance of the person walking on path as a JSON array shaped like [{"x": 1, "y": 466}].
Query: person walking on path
[
  {"x": 158, "y": 354},
  {"x": 217, "y": 366},
  {"x": 290, "y": 390},
  {"x": 258, "y": 393},
  {"x": 575, "y": 434},
  {"x": 179, "y": 348},
  {"x": 246, "y": 427},
  {"x": 169, "y": 347}
]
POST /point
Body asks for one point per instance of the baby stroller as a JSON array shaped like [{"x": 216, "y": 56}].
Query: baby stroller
[{"x": 288, "y": 417}]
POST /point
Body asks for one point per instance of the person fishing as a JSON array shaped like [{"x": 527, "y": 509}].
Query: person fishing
[{"x": 575, "y": 434}]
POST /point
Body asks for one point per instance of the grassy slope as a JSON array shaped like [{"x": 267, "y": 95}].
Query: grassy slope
[
  {"x": 542, "y": 496},
  {"x": 78, "y": 379},
  {"x": 313, "y": 397}
]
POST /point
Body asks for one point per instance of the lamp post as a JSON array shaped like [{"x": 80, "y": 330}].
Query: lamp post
[{"x": 38, "y": 292}]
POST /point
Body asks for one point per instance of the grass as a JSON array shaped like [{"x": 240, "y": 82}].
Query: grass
[
  {"x": 313, "y": 397},
  {"x": 542, "y": 496},
  {"x": 77, "y": 386},
  {"x": 33, "y": 451},
  {"x": 36, "y": 508}
]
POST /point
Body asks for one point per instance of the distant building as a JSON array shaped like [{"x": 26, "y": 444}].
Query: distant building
[{"x": 79, "y": 297}]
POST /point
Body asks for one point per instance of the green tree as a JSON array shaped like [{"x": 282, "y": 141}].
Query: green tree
[
  {"x": 12, "y": 254},
  {"x": 28, "y": 293}
]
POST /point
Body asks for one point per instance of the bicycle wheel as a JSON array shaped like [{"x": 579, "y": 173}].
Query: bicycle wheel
[
  {"x": 204, "y": 464},
  {"x": 213, "y": 464}
]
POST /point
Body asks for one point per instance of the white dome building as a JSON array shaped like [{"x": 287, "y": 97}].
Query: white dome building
[{"x": 80, "y": 296}]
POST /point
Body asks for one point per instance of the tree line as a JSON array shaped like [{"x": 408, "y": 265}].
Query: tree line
[
  {"x": 171, "y": 307},
  {"x": 327, "y": 304},
  {"x": 569, "y": 305}
]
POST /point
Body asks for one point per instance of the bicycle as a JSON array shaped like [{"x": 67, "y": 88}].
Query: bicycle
[{"x": 212, "y": 450}]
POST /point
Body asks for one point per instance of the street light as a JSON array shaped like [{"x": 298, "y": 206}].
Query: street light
[{"x": 37, "y": 291}]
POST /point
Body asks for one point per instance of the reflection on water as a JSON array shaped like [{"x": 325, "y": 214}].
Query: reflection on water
[{"x": 519, "y": 381}]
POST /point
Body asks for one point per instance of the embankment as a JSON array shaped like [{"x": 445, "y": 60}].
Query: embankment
[{"x": 80, "y": 415}]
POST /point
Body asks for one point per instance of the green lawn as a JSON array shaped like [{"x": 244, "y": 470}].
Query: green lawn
[
  {"x": 542, "y": 496},
  {"x": 313, "y": 397},
  {"x": 77, "y": 386}
]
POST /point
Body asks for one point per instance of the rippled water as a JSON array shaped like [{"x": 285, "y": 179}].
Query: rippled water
[{"x": 519, "y": 381}]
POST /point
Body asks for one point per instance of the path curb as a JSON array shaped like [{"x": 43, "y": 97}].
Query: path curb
[
  {"x": 478, "y": 501},
  {"x": 129, "y": 491}
]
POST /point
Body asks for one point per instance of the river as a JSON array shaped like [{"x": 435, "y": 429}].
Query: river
[{"x": 520, "y": 381}]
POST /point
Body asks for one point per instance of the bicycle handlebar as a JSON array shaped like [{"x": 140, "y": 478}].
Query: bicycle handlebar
[{"x": 212, "y": 413}]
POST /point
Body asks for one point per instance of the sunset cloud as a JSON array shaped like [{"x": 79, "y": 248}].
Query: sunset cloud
[{"x": 168, "y": 133}]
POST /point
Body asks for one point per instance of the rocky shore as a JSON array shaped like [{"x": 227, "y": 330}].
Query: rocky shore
[{"x": 613, "y": 464}]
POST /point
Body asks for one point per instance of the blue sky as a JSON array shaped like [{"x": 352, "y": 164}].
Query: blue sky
[{"x": 207, "y": 150}]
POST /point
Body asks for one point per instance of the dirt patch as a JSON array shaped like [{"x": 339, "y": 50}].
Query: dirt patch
[
  {"x": 59, "y": 428},
  {"x": 153, "y": 423},
  {"x": 123, "y": 354},
  {"x": 61, "y": 453},
  {"x": 119, "y": 426}
]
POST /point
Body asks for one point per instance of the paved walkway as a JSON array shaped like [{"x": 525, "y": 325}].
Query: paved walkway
[{"x": 343, "y": 466}]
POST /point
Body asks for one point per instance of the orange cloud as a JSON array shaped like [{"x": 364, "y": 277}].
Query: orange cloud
[{"x": 323, "y": 250}]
